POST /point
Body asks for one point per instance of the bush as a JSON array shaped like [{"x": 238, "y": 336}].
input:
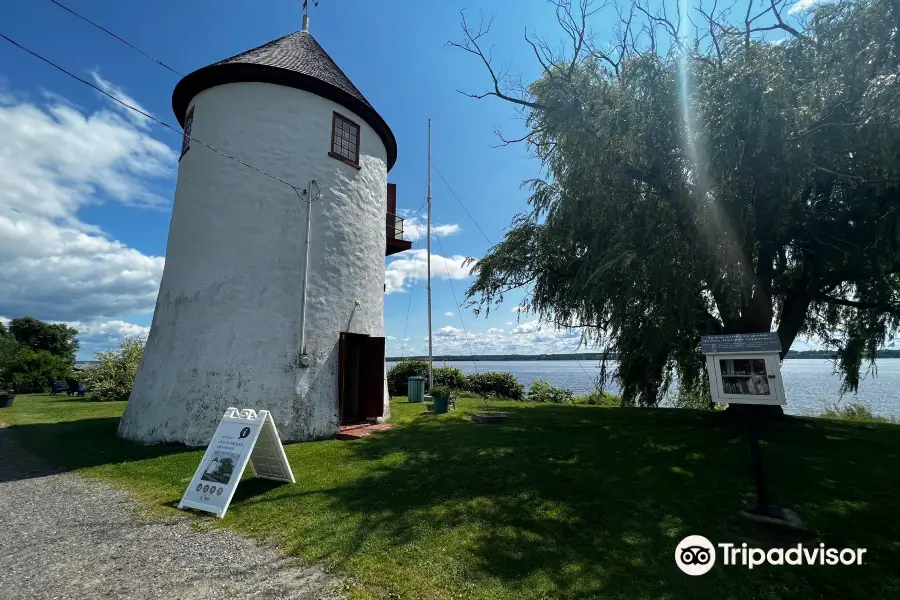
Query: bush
[
  {"x": 500, "y": 385},
  {"x": 598, "y": 398},
  {"x": 543, "y": 391},
  {"x": 449, "y": 377},
  {"x": 112, "y": 377},
  {"x": 398, "y": 375},
  {"x": 29, "y": 371},
  {"x": 853, "y": 411},
  {"x": 440, "y": 391}
]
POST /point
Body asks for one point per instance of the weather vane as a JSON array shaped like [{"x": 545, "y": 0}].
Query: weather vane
[{"x": 306, "y": 6}]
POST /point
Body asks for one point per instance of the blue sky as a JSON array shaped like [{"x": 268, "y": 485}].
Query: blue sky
[{"x": 88, "y": 188}]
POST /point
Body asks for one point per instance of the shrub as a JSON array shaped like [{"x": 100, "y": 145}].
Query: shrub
[
  {"x": 501, "y": 385},
  {"x": 449, "y": 377},
  {"x": 9, "y": 350},
  {"x": 398, "y": 375},
  {"x": 112, "y": 377},
  {"x": 598, "y": 398},
  {"x": 440, "y": 390},
  {"x": 696, "y": 396},
  {"x": 853, "y": 411},
  {"x": 543, "y": 391},
  {"x": 27, "y": 370}
]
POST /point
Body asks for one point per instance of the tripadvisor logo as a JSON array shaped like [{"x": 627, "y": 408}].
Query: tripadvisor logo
[{"x": 696, "y": 555}]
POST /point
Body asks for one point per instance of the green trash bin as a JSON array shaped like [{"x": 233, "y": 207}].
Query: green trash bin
[
  {"x": 416, "y": 389},
  {"x": 441, "y": 404}
]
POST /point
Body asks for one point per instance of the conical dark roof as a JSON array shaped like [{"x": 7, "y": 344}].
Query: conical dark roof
[{"x": 295, "y": 60}]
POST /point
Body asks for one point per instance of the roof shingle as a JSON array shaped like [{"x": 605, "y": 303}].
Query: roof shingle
[
  {"x": 295, "y": 60},
  {"x": 301, "y": 53}
]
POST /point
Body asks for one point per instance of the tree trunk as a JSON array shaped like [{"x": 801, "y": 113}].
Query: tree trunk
[{"x": 793, "y": 314}]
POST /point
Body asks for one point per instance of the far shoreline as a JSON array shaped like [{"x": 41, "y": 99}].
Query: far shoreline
[{"x": 804, "y": 354}]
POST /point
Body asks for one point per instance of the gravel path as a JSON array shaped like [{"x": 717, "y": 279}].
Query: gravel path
[{"x": 64, "y": 536}]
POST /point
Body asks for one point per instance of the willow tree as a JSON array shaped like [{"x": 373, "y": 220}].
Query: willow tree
[{"x": 717, "y": 182}]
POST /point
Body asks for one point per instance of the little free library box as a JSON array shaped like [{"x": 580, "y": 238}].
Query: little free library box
[{"x": 744, "y": 368}]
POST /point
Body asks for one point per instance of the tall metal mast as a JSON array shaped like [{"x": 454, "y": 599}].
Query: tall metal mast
[{"x": 428, "y": 233}]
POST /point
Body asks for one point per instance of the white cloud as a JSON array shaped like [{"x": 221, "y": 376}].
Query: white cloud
[
  {"x": 495, "y": 340},
  {"x": 509, "y": 323},
  {"x": 516, "y": 309},
  {"x": 117, "y": 92},
  {"x": 448, "y": 331},
  {"x": 415, "y": 229},
  {"x": 97, "y": 336},
  {"x": 410, "y": 266},
  {"x": 54, "y": 160},
  {"x": 448, "y": 314},
  {"x": 528, "y": 327}
]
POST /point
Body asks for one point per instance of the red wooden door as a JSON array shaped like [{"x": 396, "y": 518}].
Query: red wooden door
[{"x": 371, "y": 377}]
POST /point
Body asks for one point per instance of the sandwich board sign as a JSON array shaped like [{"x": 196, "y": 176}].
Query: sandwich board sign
[{"x": 242, "y": 436}]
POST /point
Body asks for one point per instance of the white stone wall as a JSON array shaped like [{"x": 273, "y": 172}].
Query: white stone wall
[{"x": 226, "y": 330}]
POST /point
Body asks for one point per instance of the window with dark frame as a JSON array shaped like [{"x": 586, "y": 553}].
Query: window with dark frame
[
  {"x": 186, "y": 138},
  {"x": 345, "y": 140}
]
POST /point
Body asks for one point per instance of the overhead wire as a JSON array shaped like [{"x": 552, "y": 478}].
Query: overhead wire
[
  {"x": 409, "y": 305},
  {"x": 124, "y": 41},
  {"x": 299, "y": 190},
  {"x": 463, "y": 205},
  {"x": 456, "y": 300},
  {"x": 296, "y": 189},
  {"x": 459, "y": 200}
]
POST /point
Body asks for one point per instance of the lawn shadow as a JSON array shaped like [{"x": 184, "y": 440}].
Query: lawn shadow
[
  {"x": 579, "y": 502},
  {"x": 74, "y": 445}
]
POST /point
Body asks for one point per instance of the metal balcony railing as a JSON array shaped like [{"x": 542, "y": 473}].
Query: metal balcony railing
[{"x": 394, "y": 227}]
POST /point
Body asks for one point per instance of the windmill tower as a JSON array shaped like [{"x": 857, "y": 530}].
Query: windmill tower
[{"x": 272, "y": 297}]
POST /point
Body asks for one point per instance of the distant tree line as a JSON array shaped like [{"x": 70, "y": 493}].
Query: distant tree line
[
  {"x": 590, "y": 356},
  {"x": 499, "y": 357}
]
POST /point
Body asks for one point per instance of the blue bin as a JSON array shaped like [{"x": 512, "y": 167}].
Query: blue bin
[{"x": 416, "y": 391}]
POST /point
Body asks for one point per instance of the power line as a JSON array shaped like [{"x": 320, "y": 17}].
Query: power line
[
  {"x": 297, "y": 189},
  {"x": 458, "y": 306},
  {"x": 126, "y": 42},
  {"x": 409, "y": 305},
  {"x": 408, "y": 308},
  {"x": 463, "y": 206},
  {"x": 561, "y": 339}
]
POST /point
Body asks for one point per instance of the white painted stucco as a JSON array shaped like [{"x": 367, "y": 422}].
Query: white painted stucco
[{"x": 226, "y": 329}]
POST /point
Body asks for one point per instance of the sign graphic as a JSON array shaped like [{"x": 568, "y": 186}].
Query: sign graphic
[
  {"x": 740, "y": 342},
  {"x": 243, "y": 436}
]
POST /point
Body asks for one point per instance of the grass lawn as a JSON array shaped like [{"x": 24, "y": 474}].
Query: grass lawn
[{"x": 562, "y": 502}]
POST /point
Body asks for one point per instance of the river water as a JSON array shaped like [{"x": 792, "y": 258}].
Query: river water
[{"x": 809, "y": 384}]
